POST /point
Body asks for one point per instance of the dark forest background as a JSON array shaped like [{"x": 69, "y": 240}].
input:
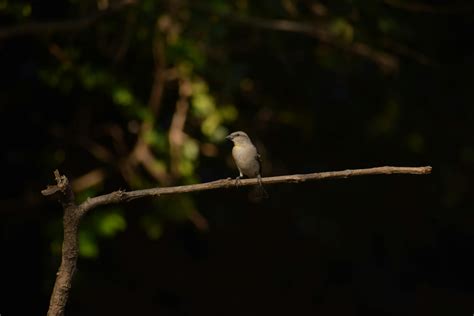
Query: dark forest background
[{"x": 136, "y": 94}]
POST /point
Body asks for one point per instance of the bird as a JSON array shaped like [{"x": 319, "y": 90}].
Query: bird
[{"x": 246, "y": 158}]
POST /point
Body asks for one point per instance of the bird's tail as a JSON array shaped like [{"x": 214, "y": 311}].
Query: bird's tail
[
  {"x": 259, "y": 192},
  {"x": 262, "y": 188}
]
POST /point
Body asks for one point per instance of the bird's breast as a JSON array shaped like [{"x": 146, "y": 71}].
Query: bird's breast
[{"x": 245, "y": 159}]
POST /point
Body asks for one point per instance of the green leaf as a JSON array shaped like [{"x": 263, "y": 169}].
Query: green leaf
[
  {"x": 111, "y": 223},
  {"x": 190, "y": 149},
  {"x": 342, "y": 29},
  {"x": 202, "y": 102},
  {"x": 123, "y": 96},
  {"x": 88, "y": 244}
]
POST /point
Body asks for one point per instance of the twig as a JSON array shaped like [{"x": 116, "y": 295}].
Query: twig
[
  {"x": 141, "y": 152},
  {"x": 419, "y": 7},
  {"x": 176, "y": 134},
  {"x": 35, "y": 28},
  {"x": 408, "y": 52},
  {"x": 156, "y": 94},
  {"x": 89, "y": 179},
  {"x": 73, "y": 212},
  {"x": 122, "y": 196}
]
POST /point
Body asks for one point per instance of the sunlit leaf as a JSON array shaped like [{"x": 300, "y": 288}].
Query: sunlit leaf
[
  {"x": 190, "y": 149},
  {"x": 185, "y": 50},
  {"x": 219, "y": 134},
  {"x": 157, "y": 139},
  {"x": 186, "y": 167},
  {"x": 342, "y": 29},
  {"x": 88, "y": 244},
  {"x": 210, "y": 124},
  {"x": 93, "y": 78},
  {"x": 229, "y": 113},
  {"x": 111, "y": 223},
  {"x": 123, "y": 96},
  {"x": 202, "y": 102}
]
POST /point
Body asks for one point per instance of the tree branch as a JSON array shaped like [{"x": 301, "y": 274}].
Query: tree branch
[
  {"x": 123, "y": 196},
  {"x": 419, "y": 7},
  {"x": 35, "y": 28},
  {"x": 73, "y": 213},
  {"x": 176, "y": 135},
  {"x": 384, "y": 60},
  {"x": 70, "y": 249}
]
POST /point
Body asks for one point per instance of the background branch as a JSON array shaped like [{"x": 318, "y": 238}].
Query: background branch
[
  {"x": 176, "y": 135},
  {"x": 419, "y": 7},
  {"x": 35, "y": 28},
  {"x": 387, "y": 62}
]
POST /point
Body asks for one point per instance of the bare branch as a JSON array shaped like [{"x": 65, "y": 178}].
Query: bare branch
[
  {"x": 62, "y": 186},
  {"x": 156, "y": 94},
  {"x": 122, "y": 196},
  {"x": 73, "y": 213},
  {"x": 408, "y": 52},
  {"x": 176, "y": 134},
  {"x": 35, "y": 28},
  {"x": 419, "y": 7},
  {"x": 141, "y": 152},
  {"x": 89, "y": 179}
]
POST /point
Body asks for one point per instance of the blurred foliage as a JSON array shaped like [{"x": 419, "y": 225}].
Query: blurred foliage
[{"x": 106, "y": 72}]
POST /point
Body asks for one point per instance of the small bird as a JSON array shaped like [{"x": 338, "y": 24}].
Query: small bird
[{"x": 246, "y": 158}]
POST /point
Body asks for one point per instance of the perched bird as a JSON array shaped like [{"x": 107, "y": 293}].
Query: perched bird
[{"x": 246, "y": 158}]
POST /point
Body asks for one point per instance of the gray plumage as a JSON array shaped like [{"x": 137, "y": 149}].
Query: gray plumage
[{"x": 246, "y": 157}]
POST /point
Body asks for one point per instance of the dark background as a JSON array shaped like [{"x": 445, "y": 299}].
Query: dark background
[{"x": 358, "y": 84}]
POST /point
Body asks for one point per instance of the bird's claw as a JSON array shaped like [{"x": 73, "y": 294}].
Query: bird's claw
[{"x": 238, "y": 182}]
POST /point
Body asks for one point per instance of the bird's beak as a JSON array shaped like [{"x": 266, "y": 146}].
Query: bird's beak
[{"x": 229, "y": 137}]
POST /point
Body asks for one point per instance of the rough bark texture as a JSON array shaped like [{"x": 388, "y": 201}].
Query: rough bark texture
[
  {"x": 67, "y": 269},
  {"x": 70, "y": 249},
  {"x": 73, "y": 213}
]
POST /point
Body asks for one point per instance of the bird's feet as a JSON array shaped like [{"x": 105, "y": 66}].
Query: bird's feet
[
  {"x": 237, "y": 181},
  {"x": 229, "y": 182}
]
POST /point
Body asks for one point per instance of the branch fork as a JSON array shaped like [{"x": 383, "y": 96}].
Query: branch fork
[{"x": 73, "y": 213}]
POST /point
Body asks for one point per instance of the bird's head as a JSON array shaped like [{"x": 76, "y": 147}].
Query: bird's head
[{"x": 239, "y": 138}]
